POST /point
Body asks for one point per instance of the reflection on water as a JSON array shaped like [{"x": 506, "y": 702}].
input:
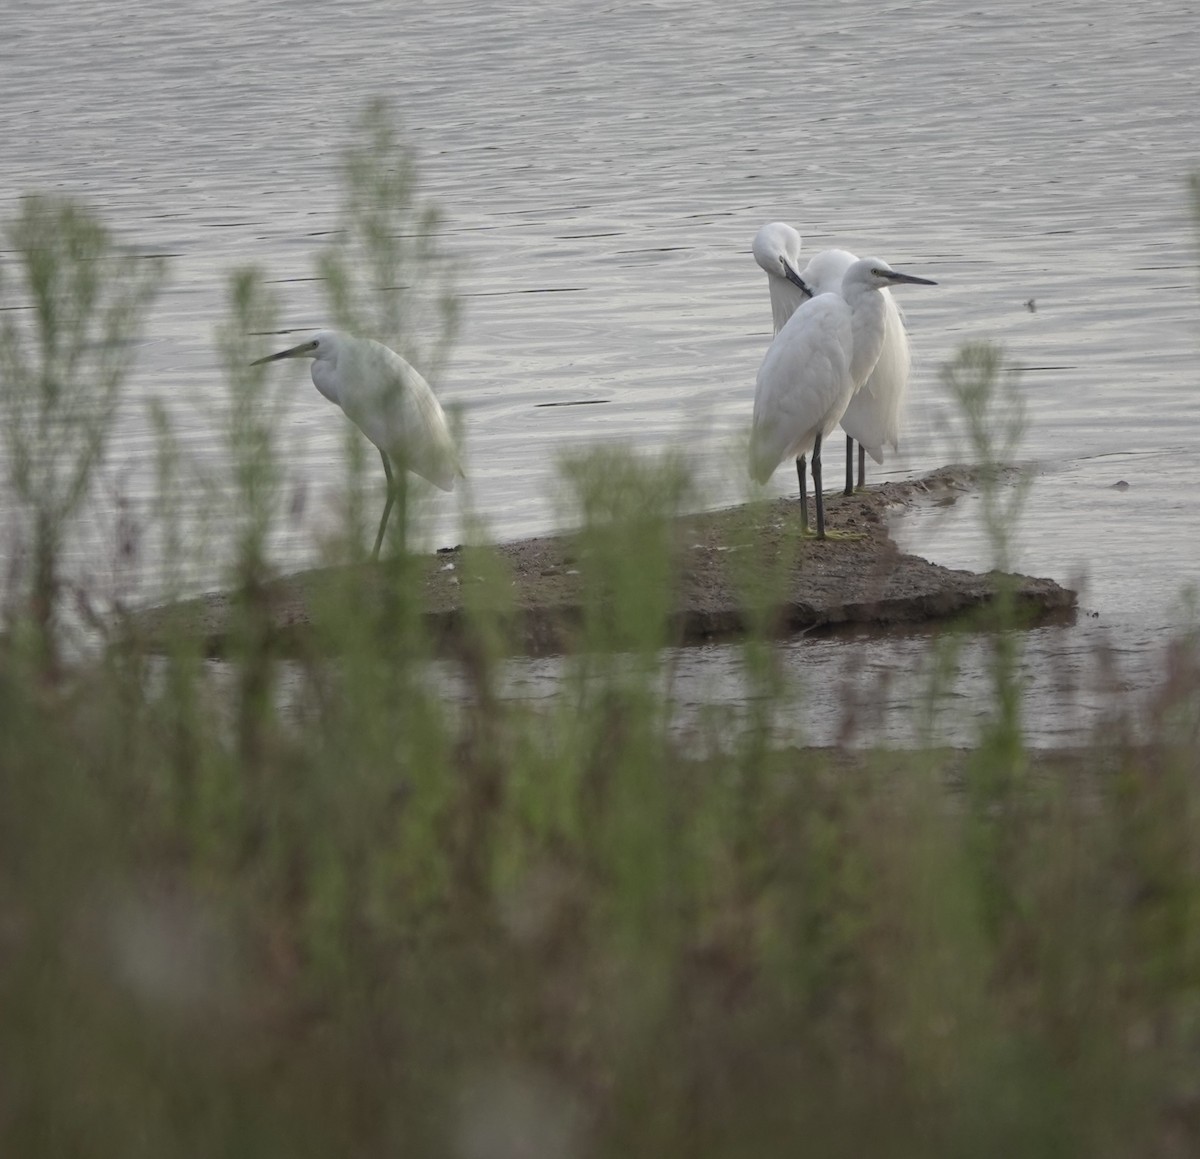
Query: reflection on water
[
  {"x": 603, "y": 169},
  {"x": 892, "y": 691}
]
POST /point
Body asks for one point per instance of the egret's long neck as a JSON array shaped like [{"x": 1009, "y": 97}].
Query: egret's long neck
[
  {"x": 325, "y": 380},
  {"x": 786, "y": 299},
  {"x": 867, "y": 324}
]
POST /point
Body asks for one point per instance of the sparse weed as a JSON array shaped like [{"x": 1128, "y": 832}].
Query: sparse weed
[
  {"x": 307, "y": 906},
  {"x": 73, "y": 305}
]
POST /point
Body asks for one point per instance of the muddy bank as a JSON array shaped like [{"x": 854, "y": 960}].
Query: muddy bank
[{"x": 856, "y": 577}]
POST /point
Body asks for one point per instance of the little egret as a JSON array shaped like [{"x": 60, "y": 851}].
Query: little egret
[
  {"x": 873, "y": 417},
  {"x": 823, "y": 354},
  {"x": 389, "y": 402}
]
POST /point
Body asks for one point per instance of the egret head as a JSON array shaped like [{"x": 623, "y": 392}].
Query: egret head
[
  {"x": 777, "y": 249},
  {"x": 876, "y": 274},
  {"x": 323, "y": 344}
]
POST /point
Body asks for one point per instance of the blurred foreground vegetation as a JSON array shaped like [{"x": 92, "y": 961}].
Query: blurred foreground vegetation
[{"x": 319, "y": 909}]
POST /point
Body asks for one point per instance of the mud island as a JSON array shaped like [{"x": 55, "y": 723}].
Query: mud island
[{"x": 857, "y": 578}]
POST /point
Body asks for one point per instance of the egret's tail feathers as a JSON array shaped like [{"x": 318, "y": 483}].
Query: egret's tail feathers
[
  {"x": 760, "y": 471},
  {"x": 760, "y": 462},
  {"x": 445, "y": 480}
]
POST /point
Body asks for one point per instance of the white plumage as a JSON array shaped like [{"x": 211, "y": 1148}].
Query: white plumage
[
  {"x": 873, "y": 416},
  {"x": 822, "y": 355},
  {"x": 803, "y": 385}
]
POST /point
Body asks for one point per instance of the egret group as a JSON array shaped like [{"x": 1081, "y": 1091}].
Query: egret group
[{"x": 840, "y": 355}]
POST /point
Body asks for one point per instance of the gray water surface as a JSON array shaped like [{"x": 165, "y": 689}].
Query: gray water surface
[{"x": 602, "y": 169}]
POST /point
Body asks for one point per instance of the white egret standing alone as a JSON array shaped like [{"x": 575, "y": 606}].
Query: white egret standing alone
[
  {"x": 823, "y": 354},
  {"x": 389, "y": 402},
  {"x": 873, "y": 417}
]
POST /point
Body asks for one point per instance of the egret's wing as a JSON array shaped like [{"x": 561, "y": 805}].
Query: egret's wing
[
  {"x": 803, "y": 384},
  {"x": 873, "y": 416},
  {"x": 397, "y": 410}
]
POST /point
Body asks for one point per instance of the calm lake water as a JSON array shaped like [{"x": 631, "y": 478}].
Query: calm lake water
[{"x": 602, "y": 169}]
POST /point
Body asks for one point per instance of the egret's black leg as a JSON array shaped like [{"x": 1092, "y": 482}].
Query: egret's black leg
[
  {"x": 800, "y": 469},
  {"x": 387, "y": 507},
  {"x": 401, "y": 536},
  {"x": 818, "y": 495},
  {"x": 862, "y": 466},
  {"x": 849, "y": 466}
]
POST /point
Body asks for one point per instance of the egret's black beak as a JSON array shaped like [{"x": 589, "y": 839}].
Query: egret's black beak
[
  {"x": 896, "y": 276},
  {"x": 295, "y": 352},
  {"x": 796, "y": 279}
]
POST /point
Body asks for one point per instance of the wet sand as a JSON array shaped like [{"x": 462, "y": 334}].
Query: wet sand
[{"x": 858, "y": 577}]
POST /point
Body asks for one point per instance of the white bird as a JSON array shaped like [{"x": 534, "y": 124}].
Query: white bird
[
  {"x": 823, "y": 354},
  {"x": 873, "y": 417},
  {"x": 389, "y": 401}
]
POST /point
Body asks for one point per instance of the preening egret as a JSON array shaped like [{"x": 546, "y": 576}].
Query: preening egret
[
  {"x": 389, "y": 402},
  {"x": 823, "y": 354},
  {"x": 873, "y": 417}
]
